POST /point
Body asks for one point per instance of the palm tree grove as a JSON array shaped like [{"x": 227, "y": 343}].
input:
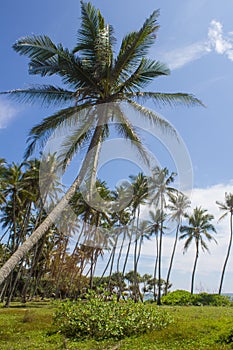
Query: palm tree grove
[{"x": 81, "y": 249}]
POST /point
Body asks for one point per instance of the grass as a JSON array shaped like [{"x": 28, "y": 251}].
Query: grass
[{"x": 198, "y": 328}]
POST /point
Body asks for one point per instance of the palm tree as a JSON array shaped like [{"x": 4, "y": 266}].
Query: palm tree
[
  {"x": 198, "y": 228},
  {"x": 94, "y": 77},
  {"x": 154, "y": 226},
  {"x": 159, "y": 191},
  {"x": 140, "y": 194},
  {"x": 227, "y": 207},
  {"x": 178, "y": 203}
]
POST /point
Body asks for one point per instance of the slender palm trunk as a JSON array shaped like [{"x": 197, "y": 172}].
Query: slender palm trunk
[
  {"x": 156, "y": 264},
  {"x": 227, "y": 256},
  {"x": 120, "y": 252},
  {"x": 194, "y": 266},
  {"x": 160, "y": 265},
  {"x": 56, "y": 212},
  {"x": 160, "y": 255},
  {"x": 112, "y": 262},
  {"x": 172, "y": 258},
  {"x": 135, "y": 282},
  {"x": 127, "y": 253}
]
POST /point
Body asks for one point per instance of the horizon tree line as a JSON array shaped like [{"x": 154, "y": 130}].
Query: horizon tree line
[{"x": 68, "y": 273}]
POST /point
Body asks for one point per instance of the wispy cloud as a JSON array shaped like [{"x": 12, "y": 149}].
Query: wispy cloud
[
  {"x": 217, "y": 41},
  {"x": 7, "y": 113},
  {"x": 179, "y": 57}
]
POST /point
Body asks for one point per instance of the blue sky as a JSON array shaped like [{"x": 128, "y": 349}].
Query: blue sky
[{"x": 195, "y": 40}]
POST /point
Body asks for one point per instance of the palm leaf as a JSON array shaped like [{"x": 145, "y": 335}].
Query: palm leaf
[
  {"x": 126, "y": 129},
  {"x": 80, "y": 134},
  {"x": 87, "y": 34},
  {"x": 166, "y": 99},
  {"x": 47, "y": 94},
  {"x": 135, "y": 46},
  {"x": 38, "y": 47},
  {"x": 40, "y": 133},
  {"x": 143, "y": 75},
  {"x": 152, "y": 117}
]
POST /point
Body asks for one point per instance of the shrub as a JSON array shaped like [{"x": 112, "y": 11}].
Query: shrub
[
  {"x": 178, "y": 297},
  {"x": 210, "y": 299},
  {"x": 182, "y": 297},
  {"x": 100, "y": 319}
]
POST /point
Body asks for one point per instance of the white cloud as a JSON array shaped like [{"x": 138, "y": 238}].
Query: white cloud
[
  {"x": 216, "y": 41},
  {"x": 220, "y": 43},
  {"x": 7, "y": 113},
  {"x": 179, "y": 57}
]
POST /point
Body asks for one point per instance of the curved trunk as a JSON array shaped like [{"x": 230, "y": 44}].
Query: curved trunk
[
  {"x": 135, "y": 282},
  {"x": 172, "y": 258},
  {"x": 55, "y": 213},
  {"x": 120, "y": 252},
  {"x": 160, "y": 254},
  {"x": 194, "y": 266},
  {"x": 227, "y": 256},
  {"x": 160, "y": 265},
  {"x": 156, "y": 264}
]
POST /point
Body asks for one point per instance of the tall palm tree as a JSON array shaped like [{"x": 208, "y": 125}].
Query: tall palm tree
[
  {"x": 178, "y": 204},
  {"x": 154, "y": 227},
  {"x": 227, "y": 207},
  {"x": 93, "y": 77},
  {"x": 140, "y": 194},
  {"x": 198, "y": 228},
  {"x": 160, "y": 188}
]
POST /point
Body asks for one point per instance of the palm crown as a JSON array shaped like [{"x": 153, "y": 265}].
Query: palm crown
[{"x": 91, "y": 74}]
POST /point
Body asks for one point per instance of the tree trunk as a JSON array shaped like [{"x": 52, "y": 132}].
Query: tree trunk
[
  {"x": 227, "y": 256},
  {"x": 156, "y": 264},
  {"x": 194, "y": 267},
  {"x": 160, "y": 265},
  {"x": 172, "y": 258}
]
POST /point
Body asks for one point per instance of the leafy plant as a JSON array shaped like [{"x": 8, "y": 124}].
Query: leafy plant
[
  {"x": 183, "y": 297},
  {"x": 99, "y": 319},
  {"x": 178, "y": 297}
]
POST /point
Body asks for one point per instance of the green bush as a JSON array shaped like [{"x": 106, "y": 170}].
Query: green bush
[
  {"x": 210, "y": 299},
  {"x": 182, "y": 297},
  {"x": 100, "y": 319},
  {"x": 178, "y": 297}
]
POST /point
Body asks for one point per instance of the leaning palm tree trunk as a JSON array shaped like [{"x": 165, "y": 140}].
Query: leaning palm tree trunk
[
  {"x": 55, "y": 213},
  {"x": 227, "y": 256},
  {"x": 172, "y": 258},
  {"x": 194, "y": 267}
]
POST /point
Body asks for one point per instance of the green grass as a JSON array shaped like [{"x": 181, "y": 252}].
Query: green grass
[{"x": 197, "y": 328}]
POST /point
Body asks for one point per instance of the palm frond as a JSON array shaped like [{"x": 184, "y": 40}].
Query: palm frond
[
  {"x": 187, "y": 242},
  {"x": 128, "y": 131},
  {"x": 153, "y": 118},
  {"x": 47, "y": 58},
  {"x": 134, "y": 46},
  {"x": 81, "y": 133},
  {"x": 204, "y": 246},
  {"x": 36, "y": 47},
  {"x": 166, "y": 99},
  {"x": 146, "y": 71},
  {"x": 40, "y": 133},
  {"x": 47, "y": 94}
]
